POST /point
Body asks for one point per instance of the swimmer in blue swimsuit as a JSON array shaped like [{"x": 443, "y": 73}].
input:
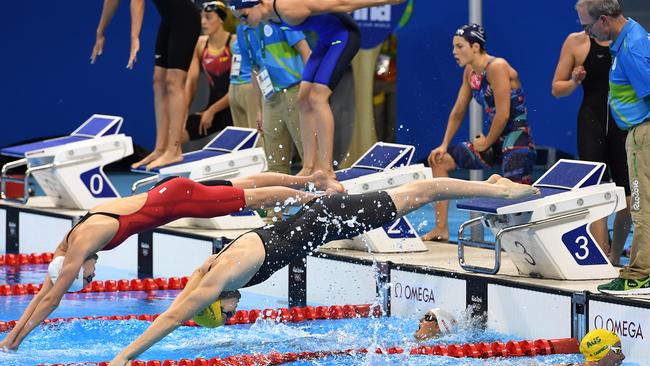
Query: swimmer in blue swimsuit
[
  {"x": 495, "y": 85},
  {"x": 338, "y": 41},
  {"x": 256, "y": 255}
]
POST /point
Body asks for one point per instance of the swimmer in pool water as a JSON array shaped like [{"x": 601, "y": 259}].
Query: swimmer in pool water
[
  {"x": 109, "y": 224},
  {"x": 600, "y": 348},
  {"x": 434, "y": 323},
  {"x": 255, "y": 256}
]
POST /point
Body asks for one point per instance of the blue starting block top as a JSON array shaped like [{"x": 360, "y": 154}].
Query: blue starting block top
[
  {"x": 95, "y": 126},
  {"x": 228, "y": 140},
  {"x": 563, "y": 176},
  {"x": 380, "y": 157}
]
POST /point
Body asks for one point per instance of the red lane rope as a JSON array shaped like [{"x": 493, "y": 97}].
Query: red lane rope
[
  {"x": 145, "y": 284},
  {"x": 472, "y": 350},
  {"x": 23, "y": 259},
  {"x": 293, "y": 315}
]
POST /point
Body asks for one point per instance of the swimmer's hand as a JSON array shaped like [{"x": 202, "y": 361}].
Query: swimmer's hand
[
  {"x": 119, "y": 361},
  {"x": 5, "y": 346},
  {"x": 133, "y": 57},
  {"x": 98, "y": 48}
]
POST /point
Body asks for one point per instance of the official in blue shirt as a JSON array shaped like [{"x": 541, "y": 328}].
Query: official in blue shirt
[
  {"x": 629, "y": 100},
  {"x": 278, "y": 56}
]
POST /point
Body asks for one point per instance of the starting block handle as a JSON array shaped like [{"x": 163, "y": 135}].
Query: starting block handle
[
  {"x": 5, "y": 178},
  {"x": 496, "y": 245},
  {"x": 468, "y": 241},
  {"x": 221, "y": 175},
  {"x": 143, "y": 181}
]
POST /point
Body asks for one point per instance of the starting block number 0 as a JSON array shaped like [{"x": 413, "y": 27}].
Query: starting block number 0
[{"x": 96, "y": 184}]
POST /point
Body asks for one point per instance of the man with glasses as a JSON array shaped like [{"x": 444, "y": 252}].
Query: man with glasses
[{"x": 629, "y": 101}]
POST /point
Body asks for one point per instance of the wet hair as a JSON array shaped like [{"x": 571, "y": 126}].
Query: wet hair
[
  {"x": 230, "y": 295},
  {"x": 598, "y": 8},
  {"x": 473, "y": 33}
]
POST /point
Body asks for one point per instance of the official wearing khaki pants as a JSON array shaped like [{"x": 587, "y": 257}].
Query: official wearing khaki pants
[
  {"x": 243, "y": 105},
  {"x": 637, "y": 146},
  {"x": 281, "y": 128}
]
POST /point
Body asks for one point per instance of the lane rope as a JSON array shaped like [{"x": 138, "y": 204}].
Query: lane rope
[{"x": 525, "y": 348}]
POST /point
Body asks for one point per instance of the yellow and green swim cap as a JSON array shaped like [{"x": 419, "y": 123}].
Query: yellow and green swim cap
[
  {"x": 595, "y": 345},
  {"x": 210, "y": 317}
]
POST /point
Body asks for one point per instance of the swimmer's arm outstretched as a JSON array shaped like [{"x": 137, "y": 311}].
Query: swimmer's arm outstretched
[
  {"x": 202, "y": 290},
  {"x": 9, "y": 343},
  {"x": 45, "y": 302}
]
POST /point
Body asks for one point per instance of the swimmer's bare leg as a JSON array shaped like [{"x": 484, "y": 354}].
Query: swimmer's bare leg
[
  {"x": 318, "y": 180},
  {"x": 411, "y": 196},
  {"x": 275, "y": 196}
]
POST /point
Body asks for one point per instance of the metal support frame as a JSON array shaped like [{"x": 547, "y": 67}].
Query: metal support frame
[
  {"x": 154, "y": 178},
  {"x": 22, "y": 162},
  {"x": 496, "y": 245}
]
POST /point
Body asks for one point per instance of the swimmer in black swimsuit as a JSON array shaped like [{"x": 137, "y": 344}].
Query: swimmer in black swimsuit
[{"x": 255, "y": 256}]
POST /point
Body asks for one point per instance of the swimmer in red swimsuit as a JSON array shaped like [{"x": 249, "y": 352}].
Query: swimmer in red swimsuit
[{"x": 109, "y": 224}]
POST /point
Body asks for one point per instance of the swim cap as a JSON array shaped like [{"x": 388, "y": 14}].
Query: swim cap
[
  {"x": 473, "y": 33},
  {"x": 445, "y": 320},
  {"x": 55, "y": 268},
  {"x": 595, "y": 345},
  {"x": 216, "y": 6},
  {"x": 242, "y": 4},
  {"x": 210, "y": 317}
]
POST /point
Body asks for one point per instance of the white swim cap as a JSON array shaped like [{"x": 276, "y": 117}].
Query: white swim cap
[
  {"x": 445, "y": 320},
  {"x": 55, "y": 268}
]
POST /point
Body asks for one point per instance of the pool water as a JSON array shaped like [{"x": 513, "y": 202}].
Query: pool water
[{"x": 97, "y": 340}]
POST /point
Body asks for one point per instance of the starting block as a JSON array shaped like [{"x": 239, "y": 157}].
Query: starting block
[
  {"x": 385, "y": 166},
  {"x": 547, "y": 236},
  {"x": 230, "y": 154},
  {"x": 70, "y": 168}
]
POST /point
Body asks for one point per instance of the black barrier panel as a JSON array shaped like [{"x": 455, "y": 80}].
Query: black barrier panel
[
  {"x": 298, "y": 282},
  {"x": 145, "y": 254},
  {"x": 12, "y": 232}
]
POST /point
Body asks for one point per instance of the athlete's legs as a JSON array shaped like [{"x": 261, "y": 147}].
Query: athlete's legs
[
  {"x": 317, "y": 180},
  {"x": 307, "y": 128},
  {"x": 414, "y": 195},
  {"x": 440, "y": 169},
  {"x": 324, "y": 121},
  {"x": 275, "y": 196},
  {"x": 177, "y": 111},
  {"x": 160, "y": 100}
]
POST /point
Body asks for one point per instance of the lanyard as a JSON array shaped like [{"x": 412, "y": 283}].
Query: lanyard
[{"x": 261, "y": 41}]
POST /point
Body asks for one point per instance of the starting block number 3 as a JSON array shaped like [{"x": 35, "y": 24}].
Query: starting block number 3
[{"x": 582, "y": 247}]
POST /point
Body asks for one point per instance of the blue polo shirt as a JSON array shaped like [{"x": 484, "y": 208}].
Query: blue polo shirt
[
  {"x": 244, "y": 76},
  {"x": 282, "y": 61},
  {"x": 629, "y": 77}
]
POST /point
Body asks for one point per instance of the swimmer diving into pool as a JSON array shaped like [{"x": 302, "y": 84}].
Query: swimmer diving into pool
[
  {"x": 255, "y": 256},
  {"x": 339, "y": 40},
  {"x": 109, "y": 224}
]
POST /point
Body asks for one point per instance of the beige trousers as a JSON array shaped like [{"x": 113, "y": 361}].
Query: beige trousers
[
  {"x": 281, "y": 129},
  {"x": 637, "y": 146}
]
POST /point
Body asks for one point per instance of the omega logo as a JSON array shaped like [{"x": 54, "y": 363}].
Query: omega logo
[{"x": 623, "y": 328}]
